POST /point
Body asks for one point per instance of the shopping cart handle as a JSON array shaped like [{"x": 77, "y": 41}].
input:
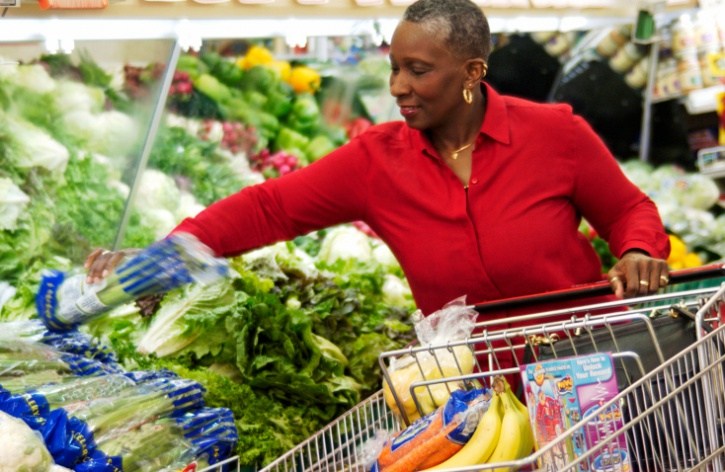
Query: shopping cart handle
[{"x": 594, "y": 289}]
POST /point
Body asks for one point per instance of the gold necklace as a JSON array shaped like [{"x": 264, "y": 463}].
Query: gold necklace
[{"x": 454, "y": 154}]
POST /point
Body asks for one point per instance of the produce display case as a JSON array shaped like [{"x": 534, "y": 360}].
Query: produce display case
[
  {"x": 671, "y": 396},
  {"x": 337, "y": 446},
  {"x": 117, "y": 136}
]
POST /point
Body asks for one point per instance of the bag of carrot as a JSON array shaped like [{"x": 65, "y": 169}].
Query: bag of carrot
[{"x": 436, "y": 436}]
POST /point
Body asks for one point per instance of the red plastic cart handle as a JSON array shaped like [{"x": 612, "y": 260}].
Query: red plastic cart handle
[{"x": 594, "y": 289}]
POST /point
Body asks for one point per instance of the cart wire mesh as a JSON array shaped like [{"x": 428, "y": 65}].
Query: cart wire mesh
[
  {"x": 341, "y": 445},
  {"x": 669, "y": 408}
]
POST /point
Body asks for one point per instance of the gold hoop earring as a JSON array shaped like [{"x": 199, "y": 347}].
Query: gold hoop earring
[
  {"x": 485, "y": 71},
  {"x": 467, "y": 96}
]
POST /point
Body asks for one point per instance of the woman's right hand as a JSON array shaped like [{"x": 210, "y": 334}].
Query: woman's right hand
[{"x": 101, "y": 262}]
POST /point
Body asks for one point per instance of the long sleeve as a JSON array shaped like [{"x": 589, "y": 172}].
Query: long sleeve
[
  {"x": 327, "y": 192},
  {"x": 620, "y": 212}
]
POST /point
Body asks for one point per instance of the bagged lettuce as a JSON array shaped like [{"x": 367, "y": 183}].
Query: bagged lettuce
[{"x": 64, "y": 302}]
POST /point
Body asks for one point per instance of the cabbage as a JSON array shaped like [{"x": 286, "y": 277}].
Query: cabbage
[
  {"x": 640, "y": 174},
  {"x": 159, "y": 220},
  {"x": 80, "y": 124},
  {"x": 34, "y": 77},
  {"x": 192, "y": 127},
  {"x": 161, "y": 204},
  {"x": 12, "y": 204},
  {"x": 29, "y": 146},
  {"x": 182, "y": 315},
  {"x": 117, "y": 135},
  {"x": 23, "y": 449},
  {"x": 187, "y": 206},
  {"x": 694, "y": 226},
  {"x": 396, "y": 291},
  {"x": 8, "y": 70},
  {"x": 383, "y": 255},
  {"x": 111, "y": 133},
  {"x": 76, "y": 96},
  {"x": 701, "y": 192},
  {"x": 157, "y": 190},
  {"x": 345, "y": 242},
  {"x": 718, "y": 236}
]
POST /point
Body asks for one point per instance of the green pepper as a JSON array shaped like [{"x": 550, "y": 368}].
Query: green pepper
[
  {"x": 211, "y": 59},
  {"x": 288, "y": 139},
  {"x": 260, "y": 78},
  {"x": 256, "y": 99},
  {"x": 269, "y": 124},
  {"x": 305, "y": 114},
  {"x": 228, "y": 72},
  {"x": 279, "y": 102},
  {"x": 305, "y": 107},
  {"x": 319, "y": 146},
  {"x": 234, "y": 109},
  {"x": 266, "y": 125},
  {"x": 212, "y": 88},
  {"x": 336, "y": 134},
  {"x": 191, "y": 65}
]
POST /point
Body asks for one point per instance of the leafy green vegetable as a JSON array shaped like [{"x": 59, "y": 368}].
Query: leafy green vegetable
[
  {"x": 185, "y": 315},
  {"x": 267, "y": 428},
  {"x": 299, "y": 345},
  {"x": 209, "y": 175}
]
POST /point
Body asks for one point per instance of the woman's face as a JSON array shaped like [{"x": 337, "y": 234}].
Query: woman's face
[{"x": 426, "y": 78}]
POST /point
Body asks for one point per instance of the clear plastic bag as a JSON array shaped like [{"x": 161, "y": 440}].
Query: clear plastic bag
[
  {"x": 454, "y": 322},
  {"x": 65, "y": 301}
]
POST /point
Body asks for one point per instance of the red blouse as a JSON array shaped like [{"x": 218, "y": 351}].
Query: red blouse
[{"x": 537, "y": 169}]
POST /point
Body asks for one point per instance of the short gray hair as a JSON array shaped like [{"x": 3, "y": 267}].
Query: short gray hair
[{"x": 462, "y": 22}]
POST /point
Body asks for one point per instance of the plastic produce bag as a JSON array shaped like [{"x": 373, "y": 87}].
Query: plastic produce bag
[
  {"x": 203, "y": 437},
  {"x": 65, "y": 302},
  {"x": 454, "y": 322},
  {"x": 34, "y": 406},
  {"x": 433, "y": 438},
  {"x": 72, "y": 435},
  {"x": 27, "y": 363}
]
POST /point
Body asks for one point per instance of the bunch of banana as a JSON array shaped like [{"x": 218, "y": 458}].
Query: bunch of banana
[
  {"x": 503, "y": 433},
  {"x": 516, "y": 440}
]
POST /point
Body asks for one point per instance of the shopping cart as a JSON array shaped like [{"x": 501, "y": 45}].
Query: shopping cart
[
  {"x": 671, "y": 391},
  {"x": 229, "y": 465}
]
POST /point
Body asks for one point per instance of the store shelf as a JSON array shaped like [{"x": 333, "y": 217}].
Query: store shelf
[
  {"x": 254, "y": 18},
  {"x": 316, "y": 8}
]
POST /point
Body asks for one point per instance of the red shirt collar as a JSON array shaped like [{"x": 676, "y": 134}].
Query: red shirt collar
[{"x": 495, "y": 123}]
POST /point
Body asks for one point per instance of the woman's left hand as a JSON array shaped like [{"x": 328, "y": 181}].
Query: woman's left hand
[{"x": 637, "y": 274}]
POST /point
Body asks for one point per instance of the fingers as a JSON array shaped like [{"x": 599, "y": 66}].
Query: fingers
[
  {"x": 637, "y": 274},
  {"x": 617, "y": 286},
  {"x": 100, "y": 263}
]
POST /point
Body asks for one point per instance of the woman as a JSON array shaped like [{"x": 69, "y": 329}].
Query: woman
[{"x": 477, "y": 194}]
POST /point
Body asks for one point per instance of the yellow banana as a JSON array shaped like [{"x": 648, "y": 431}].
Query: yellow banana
[
  {"x": 527, "y": 444},
  {"x": 509, "y": 441},
  {"x": 482, "y": 443}
]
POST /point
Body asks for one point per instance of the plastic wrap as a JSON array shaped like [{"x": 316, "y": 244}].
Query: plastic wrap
[{"x": 65, "y": 301}]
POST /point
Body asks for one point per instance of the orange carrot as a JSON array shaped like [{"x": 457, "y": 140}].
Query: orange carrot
[
  {"x": 441, "y": 452},
  {"x": 421, "y": 430},
  {"x": 432, "y": 439},
  {"x": 418, "y": 456}
]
